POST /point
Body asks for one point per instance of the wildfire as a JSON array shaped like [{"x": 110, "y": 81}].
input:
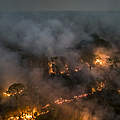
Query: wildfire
[
  {"x": 51, "y": 65},
  {"x": 99, "y": 61},
  {"x": 77, "y": 68},
  {"x": 14, "y": 89},
  {"x": 100, "y": 87},
  {"x": 61, "y": 100},
  {"x": 65, "y": 70},
  {"x": 93, "y": 90},
  {"x": 101, "y": 58},
  {"x": 32, "y": 115},
  {"x": 6, "y": 94},
  {"x": 53, "y": 68},
  {"x": 29, "y": 114}
]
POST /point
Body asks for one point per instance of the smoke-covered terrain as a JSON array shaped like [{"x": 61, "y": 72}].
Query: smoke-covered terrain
[{"x": 64, "y": 64}]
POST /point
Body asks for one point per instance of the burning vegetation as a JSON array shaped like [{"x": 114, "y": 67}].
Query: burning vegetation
[
  {"x": 59, "y": 68},
  {"x": 56, "y": 76},
  {"x": 15, "y": 89}
]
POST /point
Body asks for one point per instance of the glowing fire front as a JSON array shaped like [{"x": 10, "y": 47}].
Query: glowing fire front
[
  {"x": 7, "y": 94},
  {"x": 53, "y": 69},
  {"x": 61, "y": 69},
  {"x": 52, "y": 65},
  {"x": 29, "y": 114},
  {"x": 100, "y": 87},
  {"x": 101, "y": 58},
  {"x": 14, "y": 89},
  {"x": 100, "y": 61},
  {"x": 33, "y": 114},
  {"x": 62, "y": 101}
]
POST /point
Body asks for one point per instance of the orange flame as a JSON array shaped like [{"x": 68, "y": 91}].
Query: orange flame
[{"x": 101, "y": 58}]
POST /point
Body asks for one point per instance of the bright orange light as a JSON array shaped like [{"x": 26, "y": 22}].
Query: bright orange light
[
  {"x": 51, "y": 70},
  {"x": 100, "y": 87},
  {"x": 101, "y": 58},
  {"x": 93, "y": 90},
  {"x": 76, "y": 70},
  {"x": 62, "y": 101},
  {"x": 99, "y": 61},
  {"x": 6, "y": 94}
]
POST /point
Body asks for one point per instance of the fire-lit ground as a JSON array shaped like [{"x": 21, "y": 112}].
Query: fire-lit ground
[
  {"x": 100, "y": 60},
  {"x": 59, "y": 67},
  {"x": 34, "y": 113}
]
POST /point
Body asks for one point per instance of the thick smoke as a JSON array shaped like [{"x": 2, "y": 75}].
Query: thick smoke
[{"x": 41, "y": 36}]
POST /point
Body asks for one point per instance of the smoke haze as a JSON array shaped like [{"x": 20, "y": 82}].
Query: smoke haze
[{"x": 40, "y": 36}]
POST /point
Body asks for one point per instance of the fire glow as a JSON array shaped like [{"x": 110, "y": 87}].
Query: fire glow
[
  {"x": 32, "y": 115},
  {"x": 100, "y": 87},
  {"x": 28, "y": 114},
  {"x": 62, "y": 101},
  {"x": 100, "y": 60}
]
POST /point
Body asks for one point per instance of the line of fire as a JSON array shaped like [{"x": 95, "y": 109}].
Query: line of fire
[{"x": 99, "y": 60}]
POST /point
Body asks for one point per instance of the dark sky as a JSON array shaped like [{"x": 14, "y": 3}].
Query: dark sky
[{"x": 38, "y": 5}]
